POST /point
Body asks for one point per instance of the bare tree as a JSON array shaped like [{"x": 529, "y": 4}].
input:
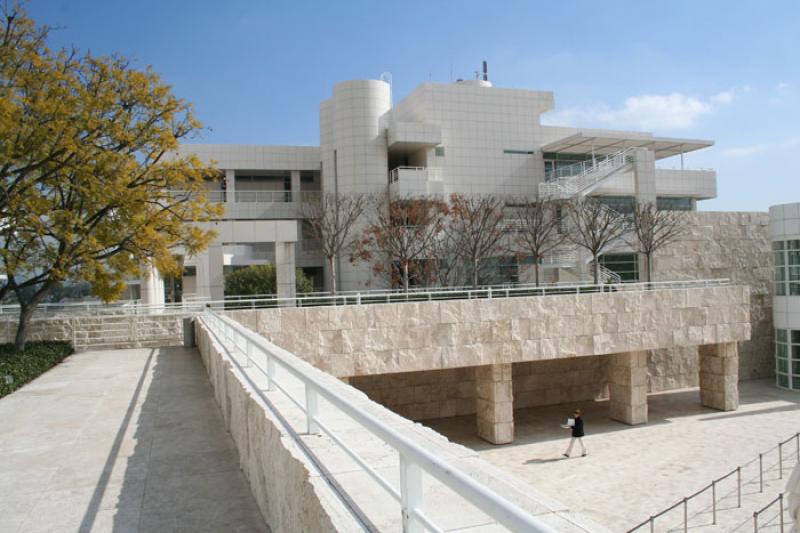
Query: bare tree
[
  {"x": 331, "y": 221},
  {"x": 402, "y": 232},
  {"x": 594, "y": 226},
  {"x": 539, "y": 227},
  {"x": 476, "y": 225},
  {"x": 652, "y": 230}
]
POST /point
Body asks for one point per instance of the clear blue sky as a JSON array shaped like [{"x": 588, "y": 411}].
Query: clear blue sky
[{"x": 256, "y": 70}]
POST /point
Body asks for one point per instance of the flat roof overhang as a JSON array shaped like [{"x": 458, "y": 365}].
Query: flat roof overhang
[{"x": 582, "y": 143}]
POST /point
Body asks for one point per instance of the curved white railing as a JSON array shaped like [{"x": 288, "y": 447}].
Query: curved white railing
[{"x": 415, "y": 461}]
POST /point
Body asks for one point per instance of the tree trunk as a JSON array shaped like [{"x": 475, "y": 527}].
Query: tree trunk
[
  {"x": 536, "y": 271},
  {"x": 26, "y": 312},
  {"x": 475, "y": 273},
  {"x": 649, "y": 257},
  {"x": 405, "y": 276},
  {"x": 596, "y": 270},
  {"x": 332, "y": 266}
]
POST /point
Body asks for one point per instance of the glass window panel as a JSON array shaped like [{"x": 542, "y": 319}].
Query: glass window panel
[
  {"x": 794, "y": 289},
  {"x": 794, "y": 273},
  {"x": 794, "y": 258},
  {"x": 777, "y": 245},
  {"x": 796, "y": 383},
  {"x": 796, "y": 337},
  {"x": 781, "y": 350},
  {"x": 796, "y": 352},
  {"x": 783, "y": 380},
  {"x": 781, "y": 335},
  {"x": 780, "y": 274},
  {"x": 782, "y": 365},
  {"x": 796, "y": 368},
  {"x": 780, "y": 258},
  {"x": 780, "y": 289},
  {"x": 792, "y": 245}
]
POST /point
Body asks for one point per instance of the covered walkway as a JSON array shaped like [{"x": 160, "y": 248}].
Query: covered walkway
[{"x": 122, "y": 440}]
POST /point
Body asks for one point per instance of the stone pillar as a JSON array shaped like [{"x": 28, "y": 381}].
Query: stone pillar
[
  {"x": 495, "y": 403},
  {"x": 284, "y": 269},
  {"x": 230, "y": 186},
  {"x": 644, "y": 175},
  {"x": 719, "y": 376},
  {"x": 627, "y": 387},
  {"x": 210, "y": 273},
  {"x": 152, "y": 285},
  {"x": 295, "y": 186}
]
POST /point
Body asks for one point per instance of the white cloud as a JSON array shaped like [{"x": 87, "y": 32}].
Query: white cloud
[
  {"x": 648, "y": 111},
  {"x": 782, "y": 86},
  {"x": 756, "y": 149},
  {"x": 747, "y": 88}
]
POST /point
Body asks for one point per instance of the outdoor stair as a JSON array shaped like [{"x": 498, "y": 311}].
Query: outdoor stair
[{"x": 585, "y": 176}]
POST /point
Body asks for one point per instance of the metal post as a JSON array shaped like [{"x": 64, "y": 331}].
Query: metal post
[
  {"x": 739, "y": 487},
  {"x": 781, "y": 506},
  {"x": 685, "y": 515},
  {"x": 714, "y": 502},
  {"x": 651, "y": 525},
  {"x": 270, "y": 372},
  {"x": 755, "y": 521},
  {"x": 311, "y": 410},
  {"x": 410, "y": 495},
  {"x": 780, "y": 460},
  {"x": 490, "y": 292},
  {"x": 760, "y": 473}
]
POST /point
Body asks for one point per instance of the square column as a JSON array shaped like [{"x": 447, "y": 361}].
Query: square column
[
  {"x": 210, "y": 273},
  {"x": 284, "y": 269},
  {"x": 627, "y": 387},
  {"x": 295, "y": 194},
  {"x": 644, "y": 175},
  {"x": 719, "y": 376},
  {"x": 495, "y": 403},
  {"x": 230, "y": 186}
]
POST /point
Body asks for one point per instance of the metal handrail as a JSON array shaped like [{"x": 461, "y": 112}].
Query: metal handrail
[
  {"x": 399, "y": 296},
  {"x": 276, "y": 196},
  {"x": 414, "y": 459},
  {"x": 572, "y": 179},
  {"x": 713, "y": 485},
  {"x": 756, "y": 514}
]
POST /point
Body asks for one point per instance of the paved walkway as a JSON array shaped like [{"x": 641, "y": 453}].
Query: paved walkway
[
  {"x": 633, "y": 472},
  {"x": 122, "y": 440}
]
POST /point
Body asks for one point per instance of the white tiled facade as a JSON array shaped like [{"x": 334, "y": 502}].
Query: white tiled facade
[
  {"x": 784, "y": 229},
  {"x": 466, "y": 137}
]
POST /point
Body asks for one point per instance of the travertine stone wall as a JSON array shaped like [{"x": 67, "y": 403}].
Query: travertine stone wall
[
  {"x": 289, "y": 496},
  {"x": 389, "y": 338},
  {"x": 719, "y": 379},
  {"x": 110, "y": 331},
  {"x": 627, "y": 387},
  {"x": 451, "y": 392},
  {"x": 495, "y": 403},
  {"x": 732, "y": 245}
]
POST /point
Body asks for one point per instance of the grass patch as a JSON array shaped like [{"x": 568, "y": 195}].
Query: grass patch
[{"x": 34, "y": 360}]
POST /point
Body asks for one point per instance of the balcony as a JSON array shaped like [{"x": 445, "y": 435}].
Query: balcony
[
  {"x": 413, "y": 135},
  {"x": 415, "y": 181}
]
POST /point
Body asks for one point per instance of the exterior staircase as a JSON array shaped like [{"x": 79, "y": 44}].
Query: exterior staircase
[{"x": 583, "y": 177}]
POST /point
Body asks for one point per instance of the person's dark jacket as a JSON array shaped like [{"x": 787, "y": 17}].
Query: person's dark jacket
[{"x": 577, "y": 429}]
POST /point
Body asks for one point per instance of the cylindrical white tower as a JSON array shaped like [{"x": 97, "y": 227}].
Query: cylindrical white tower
[
  {"x": 784, "y": 229},
  {"x": 355, "y": 156}
]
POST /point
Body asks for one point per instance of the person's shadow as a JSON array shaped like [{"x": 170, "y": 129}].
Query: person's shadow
[{"x": 542, "y": 461}]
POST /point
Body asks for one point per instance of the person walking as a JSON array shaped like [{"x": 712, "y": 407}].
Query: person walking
[{"x": 577, "y": 434}]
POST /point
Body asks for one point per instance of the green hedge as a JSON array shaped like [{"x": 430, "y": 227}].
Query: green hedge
[{"x": 24, "y": 366}]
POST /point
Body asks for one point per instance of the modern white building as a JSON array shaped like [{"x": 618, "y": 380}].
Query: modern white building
[
  {"x": 465, "y": 137},
  {"x": 784, "y": 228}
]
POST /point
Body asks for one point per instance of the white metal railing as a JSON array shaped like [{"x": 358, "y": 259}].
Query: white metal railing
[
  {"x": 608, "y": 275},
  {"x": 390, "y": 296},
  {"x": 430, "y": 173},
  {"x": 570, "y": 180},
  {"x": 415, "y": 461},
  {"x": 265, "y": 197}
]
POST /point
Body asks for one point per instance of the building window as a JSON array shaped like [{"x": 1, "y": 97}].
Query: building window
[
  {"x": 439, "y": 151},
  {"x": 621, "y": 204},
  {"x": 518, "y": 152},
  {"x": 787, "y": 358},
  {"x": 626, "y": 265},
  {"x": 667, "y": 203},
  {"x": 787, "y": 267}
]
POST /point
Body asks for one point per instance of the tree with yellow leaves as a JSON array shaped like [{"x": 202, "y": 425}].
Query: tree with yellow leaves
[{"x": 88, "y": 164}]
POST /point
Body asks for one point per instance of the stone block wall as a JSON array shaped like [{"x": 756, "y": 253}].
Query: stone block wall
[
  {"x": 560, "y": 381},
  {"x": 734, "y": 245},
  {"x": 289, "y": 495}
]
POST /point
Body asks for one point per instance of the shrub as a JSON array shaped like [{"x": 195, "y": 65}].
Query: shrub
[
  {"x": 34, "y": 360},
  {"x": 261, "y": 279}
]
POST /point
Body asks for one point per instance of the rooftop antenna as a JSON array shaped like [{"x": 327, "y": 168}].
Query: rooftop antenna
[
  {"x": 485, "y": 71},
  {"x": 387, "y": 77}
]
